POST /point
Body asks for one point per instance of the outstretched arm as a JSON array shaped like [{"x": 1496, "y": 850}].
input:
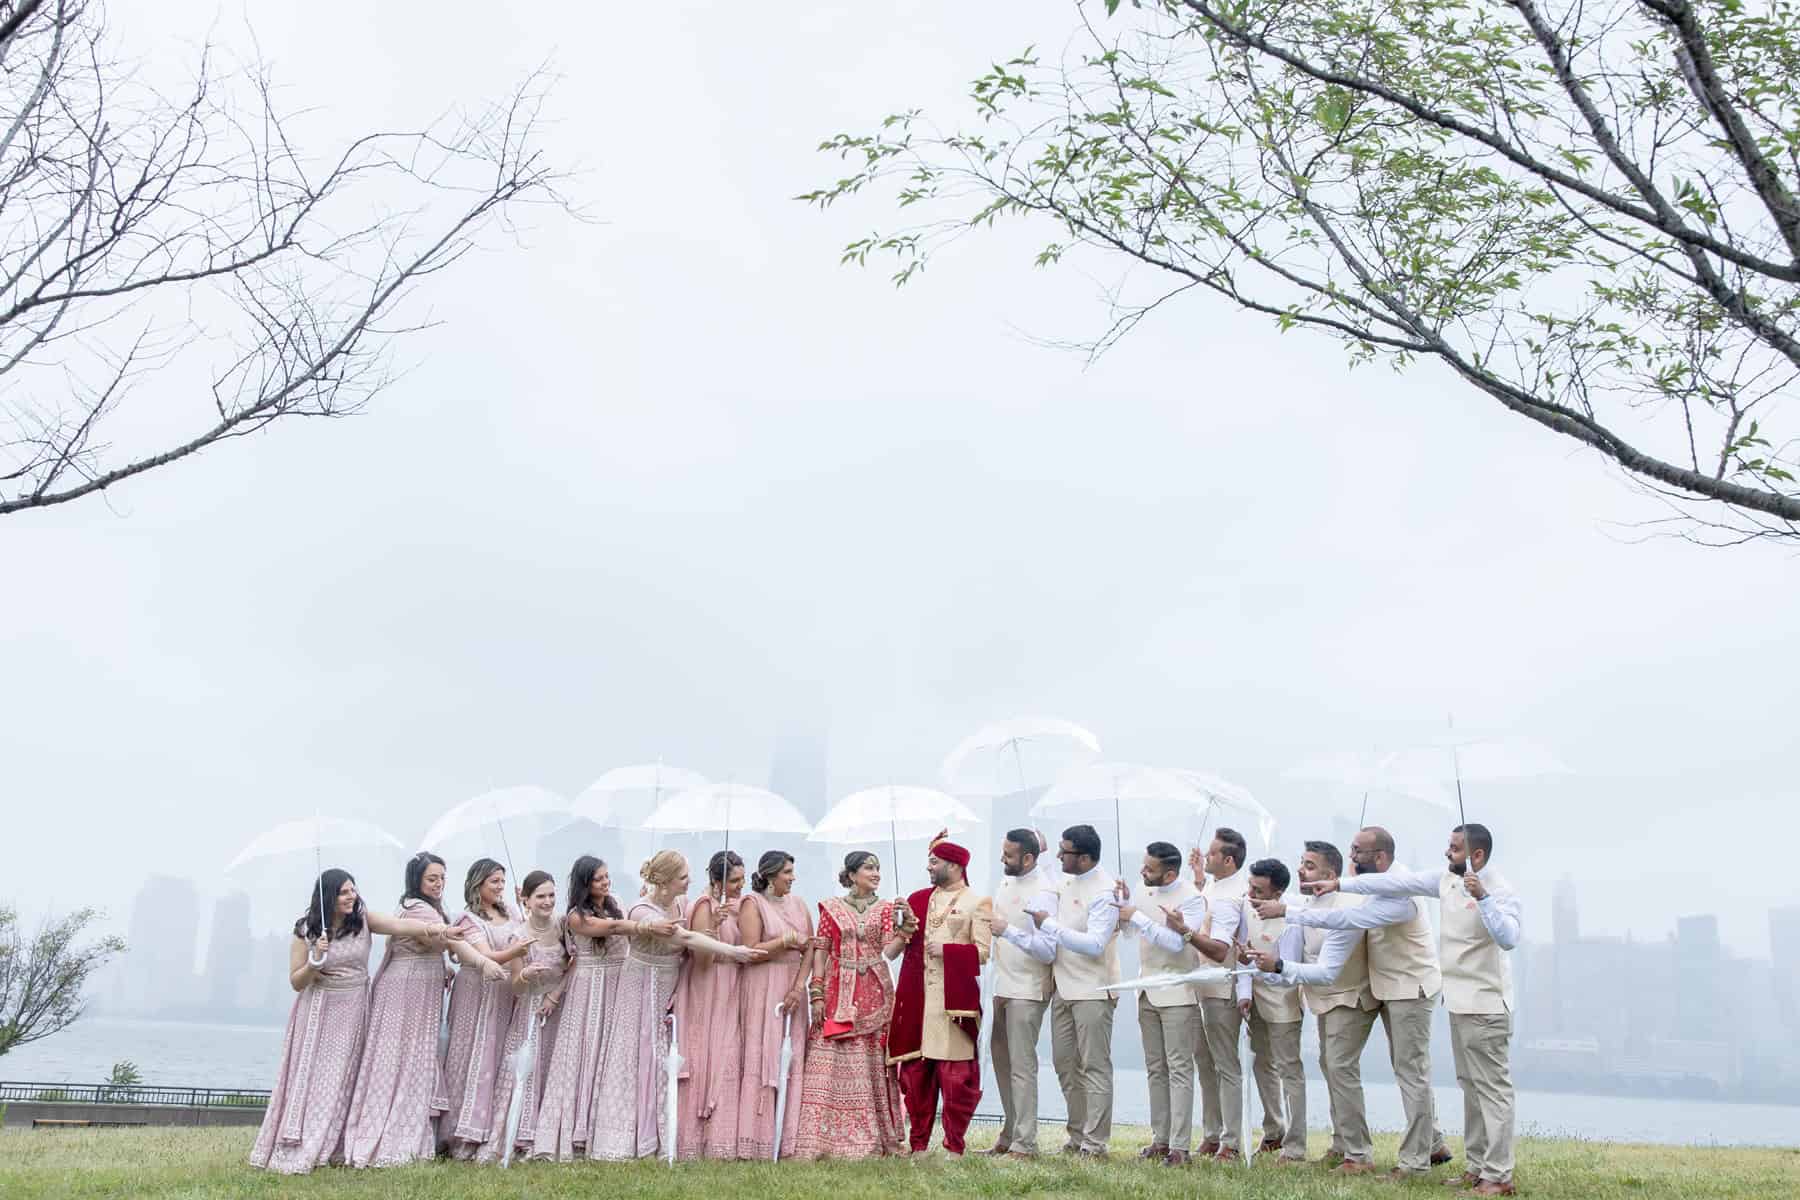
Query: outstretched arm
[
  {"x": 1395, "y": 881},
  {"x": 1379, "y": 911}
]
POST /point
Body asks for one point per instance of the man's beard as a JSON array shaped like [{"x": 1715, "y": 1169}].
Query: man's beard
[
  {"x": 1459, "y": 868},
  {"x": 1013, "y": 870}
]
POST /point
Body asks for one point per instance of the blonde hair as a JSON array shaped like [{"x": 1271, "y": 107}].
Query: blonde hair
[{"x": 661, "y": 868}]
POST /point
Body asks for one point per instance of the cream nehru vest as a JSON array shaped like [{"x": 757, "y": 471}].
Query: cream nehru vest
[
  {"x": 1477, "y": 972},
  {"x": 1403, "y": 958},
  {"x": 1079, "y": 976},
  {"x": 1352, "y": 987},
  {"x": 1157, "y": 961},
  {"x": 1017, "y": 975},
  {"x": 1273, "y": 1002},
  {"x": 1223, "y": 894}
]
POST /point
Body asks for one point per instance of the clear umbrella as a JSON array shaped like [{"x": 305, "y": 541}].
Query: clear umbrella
[
  {"x": 1118, "y": 784},
  {"x": 1474, "y": 759},
  {"x": 526, "y": 805},
  {"x": 1372, "y": 773},
  {"x": 313, "y": 835},
  {"x": 724, "y": 807},
  {"x": 1015, "y": 754},
  {"x": 624, "y": 796},
  {"x": 1223, "y": 796},
  {"x": 894, "y": 812}
]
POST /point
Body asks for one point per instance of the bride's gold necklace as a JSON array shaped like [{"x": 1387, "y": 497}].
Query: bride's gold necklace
[{"x": 861, "y": 904}]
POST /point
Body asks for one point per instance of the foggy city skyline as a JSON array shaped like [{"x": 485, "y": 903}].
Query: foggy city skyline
[{"x": 675, "y": 484}]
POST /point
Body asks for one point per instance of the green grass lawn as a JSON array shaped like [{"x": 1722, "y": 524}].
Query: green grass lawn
[{"x": 203, "y": 1164}]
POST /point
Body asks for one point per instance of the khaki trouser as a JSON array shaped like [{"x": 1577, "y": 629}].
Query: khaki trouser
[
  {"x": 1014, "y": 1051},
  {"x": 1480, "y": 1042},
  {"x": 1343, "y": 1032},
  {"x": 1221, "y": 1074},
  {"x": 1169, "y": 1035},
  {"x": 1408, "y": 1027},
  {"x": 1280, "y": 1082},
  {"x": 1081, "y": 1052}
]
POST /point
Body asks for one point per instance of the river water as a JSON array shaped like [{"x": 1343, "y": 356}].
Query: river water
[{"x": 180, "y": 1054}]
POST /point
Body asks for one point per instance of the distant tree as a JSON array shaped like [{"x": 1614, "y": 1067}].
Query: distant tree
[
  {"x": 1584, "y": 212},
  {"x": 186, "y": 254},
  {"x": 42, "y": 977}
]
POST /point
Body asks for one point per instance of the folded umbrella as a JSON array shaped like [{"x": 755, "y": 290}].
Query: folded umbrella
[
  {"x": 781, "y": 1083},
  {"x": 672, "y": 1066}
]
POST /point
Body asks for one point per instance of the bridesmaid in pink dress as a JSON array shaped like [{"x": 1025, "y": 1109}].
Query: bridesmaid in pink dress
[
  {"x": 850, "y": 1097},
  {"x": 303, "y": 1126},
  {"x": 399, "y": 1088},
  {"x": 595, "y": 929},
  {"x": 774, "y": 919},
  {"x": 481, "y": 1004},
  {"x": 631, "y": 1090},
  {"x": 706, "y": 1005},
  {"x": 537, "y": 981}
]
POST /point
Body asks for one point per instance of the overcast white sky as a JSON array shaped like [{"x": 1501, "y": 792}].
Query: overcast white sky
[{"x": 678, "y": 485}]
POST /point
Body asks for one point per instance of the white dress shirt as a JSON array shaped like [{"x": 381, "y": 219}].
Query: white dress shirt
[
  {"x": 1157, "y": 932},
  {"x": 1102, "y": 923},
  {"x": 1501, "y": 911}
]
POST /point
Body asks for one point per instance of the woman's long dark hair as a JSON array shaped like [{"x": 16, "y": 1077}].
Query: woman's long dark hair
[
  {"x": 308, "y": 928},
  {"x": 478, "y": 874},
  {"x": 416, "y": 866},
  {"x": 581, "y": 892},
  {"x": 771, "y": 864}
]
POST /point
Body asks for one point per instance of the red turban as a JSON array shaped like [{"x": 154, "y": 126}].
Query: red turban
[{"x": 951, "y": 852}]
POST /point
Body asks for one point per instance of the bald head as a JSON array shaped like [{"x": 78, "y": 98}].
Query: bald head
[{"x": 1371, "y": 850}]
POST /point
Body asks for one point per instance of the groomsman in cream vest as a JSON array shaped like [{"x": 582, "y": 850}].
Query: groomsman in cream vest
[
  {"x": 1478, "y": 923},
  {"x": 1274, "y": 1013},
  {"x": 1403, "y": 974},
  {"x": 1168, "y": 1017},
  {"x": 1222, "y": 883},
  {"x": 1023, "y": 954},
  {"x": 1084, "y": 927},
  {"x": 1332, "y": 969}
]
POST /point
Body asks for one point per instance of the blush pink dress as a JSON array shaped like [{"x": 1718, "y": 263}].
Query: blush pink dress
[
  {"x": 480, "y": 1013},
  {"x": 706, "y": 1005},
  {"x": 764, "y": 986},
  {"x": 400, "y": 1084},
  {"x": 565, "y": 1111},
  {"x": 530, "y": 1044},
  {"x": 631, "y": 1085},
  {"x": 303, "y": 1126}
]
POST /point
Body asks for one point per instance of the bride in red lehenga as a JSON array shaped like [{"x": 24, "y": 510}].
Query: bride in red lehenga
[{"x": 849, "y": 1096}]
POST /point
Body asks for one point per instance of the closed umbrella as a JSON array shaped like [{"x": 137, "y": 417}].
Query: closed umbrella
[
  {"x": 781, "y": 1080},
  {"x": 672, "y": 1065}
]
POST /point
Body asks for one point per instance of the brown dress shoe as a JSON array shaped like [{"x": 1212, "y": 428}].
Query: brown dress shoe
[
  {"x": 1467, "y": 1179},
  {"x": 1269, "y": 1146},
  {"x": 1494, "y": 1187},
  {"x": 1176, "y": 1158},
  {"x": 1331, "y": 1160},
  {"x": 1227, "y": 1154},
  {"x": 997, "y": 1150},
  {"x": 1020, "y": 1156},
  {"x": 1347, "y": 1167},
  {"x": 1440, "y": 1157},
  {"x": 1155, "y": 1152},
  {"x": 1206, "y": 1150}
]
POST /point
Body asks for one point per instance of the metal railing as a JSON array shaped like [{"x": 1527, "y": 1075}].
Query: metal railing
[{"x": 13, "y": 1091}]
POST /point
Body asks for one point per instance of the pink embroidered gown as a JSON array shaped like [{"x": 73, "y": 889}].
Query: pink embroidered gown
[
  {"x": 303, "y": 1126},
  {"x": 849, "y": 1096},
  {"x": 480, "y": 1012},
  {"x": 764, "y": 985},
  {"x": 529, "y": 1044},
  {"x": 631, "y": 1087},
  {"x": 565, "y": 1110},
  {"x": 706, "y": 1006},
  {"x": 400, "y": 1084}
]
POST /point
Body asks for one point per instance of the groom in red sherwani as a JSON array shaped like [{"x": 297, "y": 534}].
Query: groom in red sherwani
[{"x": 937, "y": 1005}]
